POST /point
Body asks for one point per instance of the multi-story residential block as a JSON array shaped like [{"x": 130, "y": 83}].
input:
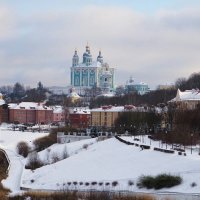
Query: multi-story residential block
[
  {"x": 79, "y": 117},
  {"x": 107, "y": 115},
  {"x": 30, "y": 113}
]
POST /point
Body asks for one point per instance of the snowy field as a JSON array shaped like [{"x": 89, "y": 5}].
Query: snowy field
[
  {"x": 109, "y": 161},
  {"x": 98, "y": 162},
  {"x": 9, "y": 138}
]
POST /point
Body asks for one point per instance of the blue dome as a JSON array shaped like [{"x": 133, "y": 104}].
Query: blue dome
[{"x": 85, "y": 54}]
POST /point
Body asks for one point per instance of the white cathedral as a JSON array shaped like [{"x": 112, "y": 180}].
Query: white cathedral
[{"x": 89, "y": 73}]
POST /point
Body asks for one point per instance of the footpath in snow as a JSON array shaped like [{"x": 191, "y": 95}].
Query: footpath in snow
[{"x": 8, "y": 142}]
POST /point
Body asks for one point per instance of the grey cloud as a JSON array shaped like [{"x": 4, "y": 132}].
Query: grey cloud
[{"x": 151, "y": 48}]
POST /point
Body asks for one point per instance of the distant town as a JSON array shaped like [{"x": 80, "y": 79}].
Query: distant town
[{"x": 94, "y": 135}]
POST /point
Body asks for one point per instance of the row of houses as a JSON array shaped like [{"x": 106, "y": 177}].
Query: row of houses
[
  {"x": 39, "y": 113},
  {"x": 29, "y": 113},
  {"x": 107, "y": 115}
]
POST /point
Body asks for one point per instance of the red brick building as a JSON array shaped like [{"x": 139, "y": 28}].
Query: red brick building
[
  {"x": 3, "y": 110},
  {"x": 58, "y": 114},
  {"x": 79, "y": 118},
  {"x": 30, "y": 113}
]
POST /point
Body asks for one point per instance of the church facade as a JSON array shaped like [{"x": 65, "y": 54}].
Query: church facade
[{"x": 89, "y": 74}]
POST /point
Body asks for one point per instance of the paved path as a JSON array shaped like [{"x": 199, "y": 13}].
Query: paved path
[{"x": 15, "y": 171}]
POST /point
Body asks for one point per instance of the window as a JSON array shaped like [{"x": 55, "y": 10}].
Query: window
[{"x": 77, "y": 81}]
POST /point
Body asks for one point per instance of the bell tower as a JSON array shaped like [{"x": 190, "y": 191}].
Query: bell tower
[{"x": 75, "y": 59}]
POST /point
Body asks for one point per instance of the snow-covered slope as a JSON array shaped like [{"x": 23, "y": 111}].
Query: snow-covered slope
[
  {"x": 111, "y": 160},
  {"x": 60, "y": 149},
  {"x": 8, "y": 141}
]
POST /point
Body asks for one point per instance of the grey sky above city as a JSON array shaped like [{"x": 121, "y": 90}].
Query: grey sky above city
[{"x": 154, "y": 41}]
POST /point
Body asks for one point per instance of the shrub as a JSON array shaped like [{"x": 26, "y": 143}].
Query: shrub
[
  {"x": 193, "y": 184},
  {"x": 85, "y": 146},
  {"x": 158, "y": 182},
  {"x": 65, "y": 153},
  {"x": 54, "y": 157},
  {"x": 166, "y": 180},
  {"x": 75, "y": 183},
  {"x": 114, "y": 183},
  {"x": 23, "y": 149},
  {"x": 34, "y": 161},
  {"x": 130, "y": 183},
  {"x": 94, "y": 183},
  {"x": 146, "y": 181},
  {"x": 32, "y": 180},
  {"x": 45, "y": 142}
]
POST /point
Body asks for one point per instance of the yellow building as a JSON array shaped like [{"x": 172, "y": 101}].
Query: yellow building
[{"x": 106, "y": 115}]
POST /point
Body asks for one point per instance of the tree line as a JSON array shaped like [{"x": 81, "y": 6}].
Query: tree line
[{"x": 19, "y": 92}]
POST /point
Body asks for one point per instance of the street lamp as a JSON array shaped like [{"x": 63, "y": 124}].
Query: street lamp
[
  {"x": 150, "y": 137},
  {"x": 131, "y": 130},
  {"x": 191, "y": 141}
]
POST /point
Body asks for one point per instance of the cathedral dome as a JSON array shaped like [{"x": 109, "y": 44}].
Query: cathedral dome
[
  {"x": 85, "y": 54},
  {"x": 75, "y": 54},
  {"x": 100, "y": 57},
  {"x": 75, "y": 59}
]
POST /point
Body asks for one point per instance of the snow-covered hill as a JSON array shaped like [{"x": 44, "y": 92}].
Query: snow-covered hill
[
  {"x": 8, "y": 141},
  {"x": 109, "y": 161}
]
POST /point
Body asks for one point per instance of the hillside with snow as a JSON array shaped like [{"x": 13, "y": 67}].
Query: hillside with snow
[
  {"x": 8, "y": 142},
  {"x": 108, "y": 161},
  {"x": 93, "y": 164}
]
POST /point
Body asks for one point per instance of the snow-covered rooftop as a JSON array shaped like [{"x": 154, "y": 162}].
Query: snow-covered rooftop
[
  {"x": 80, "y": 110},
  {"x": 29, "y": 106},
  {"x": 114, "y": 108},
  {"x": 110, "y": 94},
  {"x": 57, "y": 109},
  {"x": 187, "y": 95}
]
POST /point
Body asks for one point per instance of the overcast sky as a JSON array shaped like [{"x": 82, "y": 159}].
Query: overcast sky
[{"x": 155, "y": 41}]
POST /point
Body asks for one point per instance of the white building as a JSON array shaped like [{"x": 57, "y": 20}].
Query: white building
[
  {"x": 189, "y": 99},
  {"x": 89, "y": 73},
  {"x": 132, "y": 86}
]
